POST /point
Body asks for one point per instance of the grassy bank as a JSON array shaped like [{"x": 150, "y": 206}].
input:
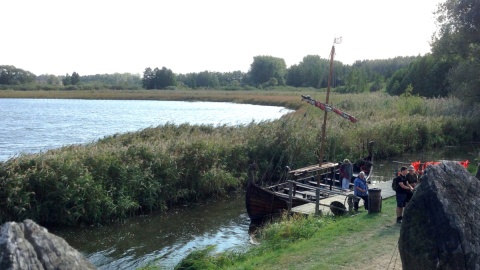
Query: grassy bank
[
  {"x": 363, "y": 241},
  {"x": 128, "y": 174},
  {"x": 285, "y": 97}
]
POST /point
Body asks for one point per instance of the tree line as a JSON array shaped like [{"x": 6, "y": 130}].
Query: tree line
[
  {"x": 453, "y": 68},
  {"x": 265, "y": 72}
]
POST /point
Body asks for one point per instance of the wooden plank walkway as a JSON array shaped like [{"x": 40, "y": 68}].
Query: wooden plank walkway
[{"x": 309, "y": 208}]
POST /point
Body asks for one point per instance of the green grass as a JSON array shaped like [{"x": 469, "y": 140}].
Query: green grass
[{"x": 363, "y": 241}]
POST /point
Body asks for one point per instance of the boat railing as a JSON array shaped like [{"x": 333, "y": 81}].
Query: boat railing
[
  {"x": 314, "y": 169},
  {"x": 331, "y": 188},
  {"x": 318, "y": 189},
  {"x": 323, "y": 188}
]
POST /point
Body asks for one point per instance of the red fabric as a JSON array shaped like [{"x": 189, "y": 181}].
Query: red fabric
[
  {"x": 464, "y": 163},
  {"x": 418, "y": 164}
]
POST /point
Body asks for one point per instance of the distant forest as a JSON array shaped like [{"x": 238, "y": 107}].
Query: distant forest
[
  {"x": 266, "y": 72},
  {"x": 453, "y": 68}
]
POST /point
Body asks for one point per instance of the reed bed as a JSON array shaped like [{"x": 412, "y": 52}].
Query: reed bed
[{"x": 156, "y": 168}]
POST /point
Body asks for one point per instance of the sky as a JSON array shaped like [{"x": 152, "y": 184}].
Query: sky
[{"x": 105, "y": 37}]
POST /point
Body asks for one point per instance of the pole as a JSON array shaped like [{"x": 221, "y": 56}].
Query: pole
[
  {"x": 290, "y": 196},
  {"x": 324, "y": 126}
]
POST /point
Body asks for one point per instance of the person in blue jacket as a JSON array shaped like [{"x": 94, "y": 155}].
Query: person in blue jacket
[{"x": 360, "y": 189}]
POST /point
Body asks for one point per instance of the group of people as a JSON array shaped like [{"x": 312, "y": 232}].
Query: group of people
[
  {"x": 407, "y": 180},
  {"x": 360, "y": 186}
]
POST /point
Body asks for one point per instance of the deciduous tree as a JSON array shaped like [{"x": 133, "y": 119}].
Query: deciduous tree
[
  {"x": 75, "y": 79},
  {"x": 264, "y": 68},
  {"x": 158, "y": 78},
  {"x": 458, "y": 42},
  {"x": 67, "y": 80},
  {"x": 14, "y": 76}
]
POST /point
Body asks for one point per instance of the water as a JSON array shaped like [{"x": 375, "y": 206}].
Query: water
[
  {"x": 164, "y": 239},
  {"x": 35, "y": 125}
]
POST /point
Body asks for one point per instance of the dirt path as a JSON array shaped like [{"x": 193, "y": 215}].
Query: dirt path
[{"x": 383, "y": 252}]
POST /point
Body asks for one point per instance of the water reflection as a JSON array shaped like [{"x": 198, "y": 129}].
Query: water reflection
[{"x": 166, "y": 238}]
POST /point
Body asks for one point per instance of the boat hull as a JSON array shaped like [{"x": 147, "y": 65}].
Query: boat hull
[{"x": 263, "y": 204}]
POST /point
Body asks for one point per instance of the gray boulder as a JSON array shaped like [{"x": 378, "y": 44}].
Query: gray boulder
[
  {"x": 440, "y": 225},
  {"x": 27, "y": 245},
  {"x": 478, "y": 172}
]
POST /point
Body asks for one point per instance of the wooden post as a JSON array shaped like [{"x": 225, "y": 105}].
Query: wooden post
[
  {"x": 332, "y": 177},
  {"x": 317, "y": 201},
  {"x": 290, "y": 196}
]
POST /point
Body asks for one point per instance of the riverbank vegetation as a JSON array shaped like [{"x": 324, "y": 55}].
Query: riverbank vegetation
[
  {"x": 362, "y": 241},
  {"x": 152, "y": 169}
]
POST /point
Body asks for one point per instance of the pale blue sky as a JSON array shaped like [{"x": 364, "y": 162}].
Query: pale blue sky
[{"x": 103, "y": 36}]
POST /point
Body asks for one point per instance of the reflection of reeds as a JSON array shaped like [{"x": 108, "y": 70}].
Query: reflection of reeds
[{"x": 126, "y": 174}]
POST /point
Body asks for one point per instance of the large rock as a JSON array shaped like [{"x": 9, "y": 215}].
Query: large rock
[
  {"x": 440, "y": 228},
  {"x": 478, "y": 172},
  {"x": 27, "y": 245}
]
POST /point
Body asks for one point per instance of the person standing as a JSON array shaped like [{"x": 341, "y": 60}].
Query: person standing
[
  {"x": 346, "y": 173},
  {"x": 360, "y": 189},
  {"x": 401, "y": 192},
  {"x": 412, "y": 179}
]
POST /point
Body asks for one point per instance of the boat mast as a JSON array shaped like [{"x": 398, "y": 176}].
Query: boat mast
[{"x": 324, "y": 126}]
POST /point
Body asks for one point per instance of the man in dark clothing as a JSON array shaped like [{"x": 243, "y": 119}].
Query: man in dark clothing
[
  {"x": 412, "y": 179},
  {"x": 401, "y": 192}
]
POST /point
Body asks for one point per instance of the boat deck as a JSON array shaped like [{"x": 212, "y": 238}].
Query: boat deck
[
  {"x": 313, "y": 168},
  {"x": 309, "y": 208}
]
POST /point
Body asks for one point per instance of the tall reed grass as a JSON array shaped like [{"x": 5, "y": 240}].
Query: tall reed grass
[{"x": 153, "y": 169}]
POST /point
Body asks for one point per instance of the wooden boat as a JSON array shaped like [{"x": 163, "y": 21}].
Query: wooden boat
[
  {"x": 265, "y": 202},
  {"x": 262, "y": 203}
]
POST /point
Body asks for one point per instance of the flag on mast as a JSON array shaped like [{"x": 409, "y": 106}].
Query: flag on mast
[{"x": 329, "y": 108}]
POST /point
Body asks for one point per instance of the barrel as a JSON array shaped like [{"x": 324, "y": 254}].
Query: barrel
[{"x": 374, "y": 200}]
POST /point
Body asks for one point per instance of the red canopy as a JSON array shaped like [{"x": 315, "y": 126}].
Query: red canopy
[{"x": 419, "y": 166}]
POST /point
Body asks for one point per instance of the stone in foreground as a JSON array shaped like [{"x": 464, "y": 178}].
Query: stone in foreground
[
  {"x": 27, "y": 245},
  {"x": 440, "y": 225}
]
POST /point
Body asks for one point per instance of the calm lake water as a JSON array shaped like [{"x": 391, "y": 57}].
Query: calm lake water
[{"x": 34, "y": 125}]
